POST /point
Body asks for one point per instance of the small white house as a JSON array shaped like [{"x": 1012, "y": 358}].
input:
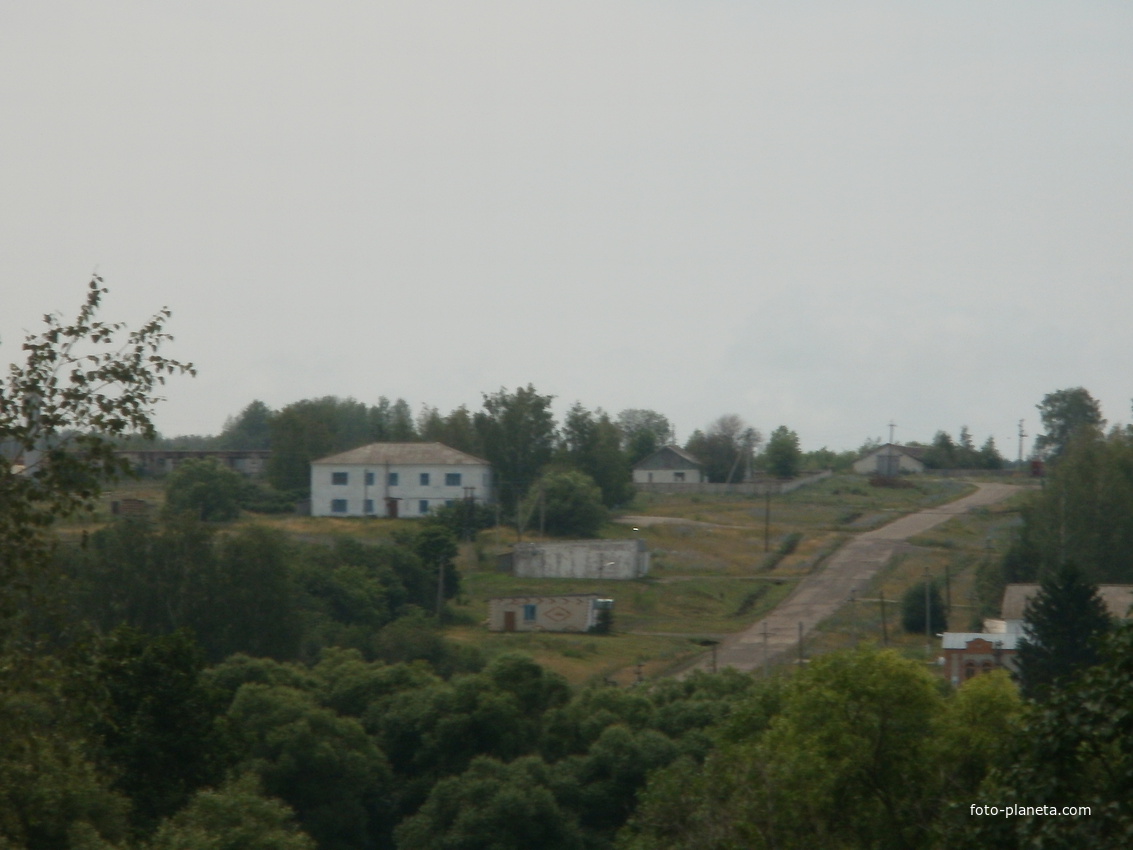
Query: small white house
[
  {"x": 669, "y": 465},
  {"x": 890, "y": 460},
  {"x": 571, "y": 612},
  {"x": 397, "y": 480}
]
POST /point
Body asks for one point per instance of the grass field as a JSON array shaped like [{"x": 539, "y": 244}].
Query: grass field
[{"x": 737, "y": 558}]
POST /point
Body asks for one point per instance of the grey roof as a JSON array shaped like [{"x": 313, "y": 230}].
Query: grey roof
[
  {"x": 1118, "y": 599},
  {"x": 959, "y": 640},
  {"x": 378, "y": 454},
  {"x": 915, "y": 452},
  {"x": 664, "y": 458}
]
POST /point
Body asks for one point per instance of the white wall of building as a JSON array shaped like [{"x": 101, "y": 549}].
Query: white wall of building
[{"x": 367, "y": 487}]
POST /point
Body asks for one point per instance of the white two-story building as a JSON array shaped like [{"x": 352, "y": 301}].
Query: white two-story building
[{"x": 397, "y": 480}]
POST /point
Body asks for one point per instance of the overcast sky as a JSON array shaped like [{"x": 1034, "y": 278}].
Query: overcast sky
[{"x": 828, "y": 216}]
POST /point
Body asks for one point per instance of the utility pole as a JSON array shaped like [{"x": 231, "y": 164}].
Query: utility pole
[
  {"x": 927, "y": 616},
  {"x": 766, "y": 657},
  {"x": 767, "y": 518},
  {"x": 1021, "y": 436},
  {"x": 884, "y": 624},
  {"x": 892, "y": 425},
  {"x": 800, "y": 643}
]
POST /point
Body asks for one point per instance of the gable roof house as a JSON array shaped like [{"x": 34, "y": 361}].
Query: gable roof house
[
  {"x": 890, "y": 460},
  {"x": 397, "y": 480},
  {"x": 669, "y": 465}
]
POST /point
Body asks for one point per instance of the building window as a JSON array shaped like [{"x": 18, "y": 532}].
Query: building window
[
  {"x": 678, "y": 476},
  {"x": 392, "y": 479},
  {"x": 369, "y": 479},
  {"x": 339, "y": 477},
  {"x": 423, "y": 506},
  {"x": 368, "y": 506},
  {"x": 452, "y": 479},
  {"x": 529, "y": 613},
  {"x": 338, "y": 506},
  {"x": 424, "y": 479}
]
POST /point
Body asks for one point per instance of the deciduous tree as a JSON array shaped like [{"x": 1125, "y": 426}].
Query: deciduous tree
[
  {"x": 1065, "y": 414},
  {"x": 84, "y": 385}
]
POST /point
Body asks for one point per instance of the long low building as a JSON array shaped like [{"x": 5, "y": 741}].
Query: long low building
[
  {"x": 397, "y": 480},
  {"x": 589, "y": 559}
]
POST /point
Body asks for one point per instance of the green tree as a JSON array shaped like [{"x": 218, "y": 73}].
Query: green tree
[
  {"x": 591, "y": 443},
  {"x": 492, "y": 806},
  {"x": 52, "y": 792},
  {"x": 725, "y": 449},
  {"x": 643, "y": 432},
  {"x": 1065, "y": 414},
  {"x": 313, "y": 428},
  {"x": 782, "y": 455},
  {"x": 324, "y": 766},
  {"x": 1084, "y": 512},
  {"x": 205, "y": 489},
  {"x": 235, "y": 816},
  {"x": 835, "y": 765},
  {"x": 160, "y": 727},
  {"x": 1066, "y": 622},
  {"x": 517, "y": 431},
  {"x": 251, "y": 429},
  {"x": 84, "y": 385},
  {"x": 913, "y": 609},
  {"x": 1075, "y": 749},
  {"x": 570, "y": 503}
]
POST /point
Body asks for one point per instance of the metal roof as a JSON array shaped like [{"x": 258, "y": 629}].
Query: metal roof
[
  {"x": 663, "y": 459},
  {"x": 960, "y": 640},
  {"x": 1118, "y": 599},
  {"x": 402, "y": 454}
]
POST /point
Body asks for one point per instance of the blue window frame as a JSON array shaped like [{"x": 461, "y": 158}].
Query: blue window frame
[
  {"x": 368, "y": 506},
  {"x": 452, "y": 479},
  {"x": 423, "y": 506},
  {"x": 338, "y": 506},
  {"x": 339, "y": 477},
  {"x": 424, "y": 479},
  {"x": 529, "y": 613},
  {"x": 369, "y": 479},
  {"x": 392, "y": 479}
]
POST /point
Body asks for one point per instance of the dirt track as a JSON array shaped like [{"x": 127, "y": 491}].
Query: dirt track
[{"x": 820, "y": 594}]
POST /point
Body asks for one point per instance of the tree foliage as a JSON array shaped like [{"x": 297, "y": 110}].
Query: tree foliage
[
  {"x": 913, "y": 609},
  {"x": 1066, "y": 622},
  {"x": 1066, "y": 414},
  {"x": 725, "y": 449},
  {"x": 204, "y": 488},
  {"x": 250, "y": 429},
  {"x": 1084, "y": 512},
  {"x": 569, "y": 502},
  {"x": 591, "y": 443},
  {"x": 643, "y": 432},
  {"x": 517, "y": 431},
  {"x": 783, "y": 457},
  {"x": 84, "y": 385}
]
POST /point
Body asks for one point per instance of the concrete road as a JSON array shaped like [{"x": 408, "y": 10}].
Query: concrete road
[{"x": 822, "y": 593}]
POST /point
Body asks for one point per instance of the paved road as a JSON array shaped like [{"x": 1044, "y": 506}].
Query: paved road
[{"x": 820, "y": 594}]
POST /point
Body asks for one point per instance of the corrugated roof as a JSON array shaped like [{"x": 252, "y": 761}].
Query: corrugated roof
[
  {"x": 1118, "y": 599},
  {"x": 377, "y": 454}
]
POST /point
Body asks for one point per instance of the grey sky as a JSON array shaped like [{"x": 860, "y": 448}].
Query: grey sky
[{"x": 824, "y": 215}]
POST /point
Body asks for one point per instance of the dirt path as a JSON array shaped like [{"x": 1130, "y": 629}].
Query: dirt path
[{"x": 820, "y": 594}]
